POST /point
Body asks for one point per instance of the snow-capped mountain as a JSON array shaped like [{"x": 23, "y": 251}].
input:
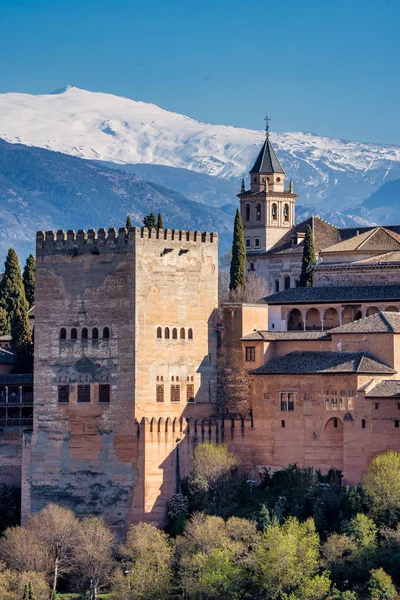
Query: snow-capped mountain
[{"x": 327, "y": 172}]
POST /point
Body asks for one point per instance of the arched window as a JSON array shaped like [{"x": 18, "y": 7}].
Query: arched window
[
  {"x": 286, "y": 212},
  {"x": 63, "y": 334},
  {"x": 166, "y": 333},
  {"x": 252, "y": 266},
  {"x": 106, "y": 333},
  {"x": 84, "y": 333},
  {"x": 190, "y": 333},
  {"x": 95, "y": 333},
  {"x": 363, "y": 423},
  {"x": 174, "y": 333},
  {"x": 74, "y": 334},
  {"x": 182, "y": 333},
  {"x": 247, "y": 212},
  {"x": 335, "y": 423},
  {"x": 287, "y": 282},
  {"x": 274, "y": 212},
  {"x": 258, "y": 212},
  {"x": 159, "y": 332},
  {"x": 282, "y": 423}
]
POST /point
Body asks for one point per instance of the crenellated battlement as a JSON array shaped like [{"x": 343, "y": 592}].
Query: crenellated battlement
[{"x": 95, "y": 242}]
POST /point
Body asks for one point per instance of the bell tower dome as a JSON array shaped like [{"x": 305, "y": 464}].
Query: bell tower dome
[{"x": 267, "y": 209}]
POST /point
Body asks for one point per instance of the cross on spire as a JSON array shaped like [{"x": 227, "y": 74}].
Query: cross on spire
[{"x": 267, "y": 120}]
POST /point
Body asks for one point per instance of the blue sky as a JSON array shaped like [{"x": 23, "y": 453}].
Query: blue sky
[{"x": 326, "y": 66}]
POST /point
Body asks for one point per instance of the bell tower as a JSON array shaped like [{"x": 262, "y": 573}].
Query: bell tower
[{"x": 267, "y": 209}]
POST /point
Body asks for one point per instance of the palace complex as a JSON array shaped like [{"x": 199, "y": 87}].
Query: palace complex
[{"x": 135, "y": 363}]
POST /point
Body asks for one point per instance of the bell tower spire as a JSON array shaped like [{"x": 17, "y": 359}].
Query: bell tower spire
[{"x": 267, "y": 209}]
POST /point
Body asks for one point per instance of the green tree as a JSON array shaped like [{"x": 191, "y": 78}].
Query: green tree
[
  {"x": 128, "y": 223},
  {"x": 12, "y": 293},
  {"x": 160, "y": 222},
  {"x": 380, "y": 586},
  {"x": 29, "y": 280},
  {"x": 381, "y": 485},
  {"x": 286, "y": 557},
  {"x": 150, "y": 221},
  {"x": 148, "y": 558},
  {"x": 21, "y": 341},
  {"x": 238, "y": 263},
  {"x": 364, "y": 531},
  {"x": 309, "y": 258},
  {"x": 211, "y": 476}
]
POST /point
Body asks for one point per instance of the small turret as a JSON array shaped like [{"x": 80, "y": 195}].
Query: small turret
[
  {"x": 242, "y": 189},
  {"x": 291, "y": 187}
]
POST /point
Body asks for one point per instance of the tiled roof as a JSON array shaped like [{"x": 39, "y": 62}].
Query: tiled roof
[
  {"x": 325, "y": 362},
  {"x": 7, "y": 356},
  {"x": 389, "y": 388},
  {"x": 388, "y": 257},
  {"x": 270, "y": 336},
  {"x": 377, "y": 239},
  {"x": 16, "y": 379},
  {"x": 267, "y": 161},
  {"x": 382, "y": 322},
  {"x": 325, "y": 235},
  {"x": 366, "y": 293}
]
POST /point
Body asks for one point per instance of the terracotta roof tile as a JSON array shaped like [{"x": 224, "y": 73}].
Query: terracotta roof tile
[
  {"x": 382, "y": 322},
  {"x": 366, "y": 293},
  {"x": 300, "y": 362}
]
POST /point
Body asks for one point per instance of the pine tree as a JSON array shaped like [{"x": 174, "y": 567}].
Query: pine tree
[
  {"x": 309, "y": 258},
  {"x": 12, "y": 292},
  {"x": 150, "y": 221},
  {"x": 21, "y": 341},
  {"x": 128, "y": 223},
  {"x": 159, "y": 222},
  {"x": 29, "y": 280},
  {"x": 238, "y": 264}
]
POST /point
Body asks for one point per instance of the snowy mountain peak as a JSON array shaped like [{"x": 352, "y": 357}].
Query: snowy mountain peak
[{"x": 114, "y": 129}]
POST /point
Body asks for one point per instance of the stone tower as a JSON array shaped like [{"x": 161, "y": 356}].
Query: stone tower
[
  {"x": 125, "y": 356},
  {"x": 267, "y": 209}
]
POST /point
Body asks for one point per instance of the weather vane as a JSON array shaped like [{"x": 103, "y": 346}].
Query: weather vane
[{"x": 267, "y": 120}]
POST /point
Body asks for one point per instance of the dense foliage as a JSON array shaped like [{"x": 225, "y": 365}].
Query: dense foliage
[
  {"x": 28, "y": 278},
  {"x": 160, "y": 222},
  {"x": 150, "y": 221},
  {"x": 298, "y": 535},
  {"x": 238, "y": 263},
  {"x": 309, "y": 258}
]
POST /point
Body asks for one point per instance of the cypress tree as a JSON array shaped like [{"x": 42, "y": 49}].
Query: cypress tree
[
  {"x": 238, "y": 263},
  {"x": 29, "y": 280},
  {"x": 159, "y": 222},
  {"x": 4, "y": 324},
  {"x": 309, "y": 258},
  {"x": 21, "y": 341},
  {"x": 128, "y": 223},
  {"x": 150, "y": 221},
  {"x": 12, "y": 292}
]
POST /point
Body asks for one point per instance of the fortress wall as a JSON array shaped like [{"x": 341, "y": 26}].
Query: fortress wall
[{"x": 11, "y": 456}]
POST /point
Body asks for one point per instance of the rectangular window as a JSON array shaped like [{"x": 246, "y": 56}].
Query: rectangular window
[
  {"x": 327, "y": 404},
  {"x": 276, "y": 285},
  {"x": 396, "y": 423},
  {"x": 350, "y": 404},
  {"x": 341, "y": 403},
  {"x": 190, "y": 392},
  {"x": 248, "y": 243},
  {"x": 334, "y": 403},
  {"x": 159, "y": 393},
  {"x": 63, "y": 393},
  {"x": 83, "y": 392},
  {"x": 104, "y": 392},
  {"x": 257, "y": 242},
  {"x": 175, "y": 393},
  {"x": 287, "y": 401},
  {"x": 250, "y": 353},
  {"x": 376, "y": 405}
]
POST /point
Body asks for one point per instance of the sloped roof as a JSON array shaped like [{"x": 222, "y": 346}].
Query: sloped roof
[
  {"x": 325, "y": 362},
  {"x": 386, "y": 258},
  {"x": 16, "y": 379},
  {"x": 273, "y": 336},
  {"x": 325, "y": 235},
  {"x": 375, "y": 240},
  {"x": 352, "y": 293},
  {"x": 267, "y": 161},
  {"x": 382, "y": 322},
  {"x": 389, "y": 388}
]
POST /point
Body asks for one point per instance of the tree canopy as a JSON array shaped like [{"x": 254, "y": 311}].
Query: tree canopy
[
  {"x": 29, "y": 280},
  {"x": 238, "y": 263},
  {"x": 150, "y": 221},
  {"x": 309, "y": 258}
]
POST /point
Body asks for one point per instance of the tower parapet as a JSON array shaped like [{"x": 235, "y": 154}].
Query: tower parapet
[{"x": 103, "y": 240}]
